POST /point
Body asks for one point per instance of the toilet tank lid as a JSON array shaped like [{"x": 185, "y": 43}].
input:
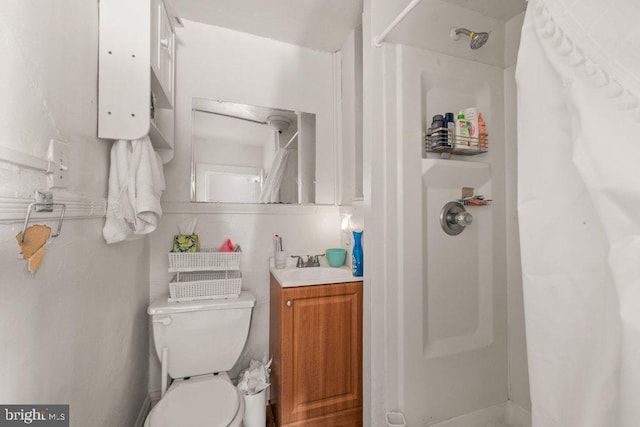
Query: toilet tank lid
[{"x": 162, "y": 306}]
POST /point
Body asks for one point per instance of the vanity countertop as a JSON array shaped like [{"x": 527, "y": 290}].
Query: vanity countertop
[{"x": 292, "y": 276}]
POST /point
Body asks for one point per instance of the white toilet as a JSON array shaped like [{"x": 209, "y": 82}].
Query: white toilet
[{"x": 197, "y": 342}]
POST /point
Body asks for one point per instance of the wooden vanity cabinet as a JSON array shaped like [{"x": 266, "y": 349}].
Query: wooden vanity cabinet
[{"x": 316, "y": 343}]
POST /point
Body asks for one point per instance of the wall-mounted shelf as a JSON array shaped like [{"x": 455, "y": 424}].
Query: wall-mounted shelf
[
  {"x": 444, "y": 141},
  {"x": 136, "y": 58},
  {"x": 156, "y": 136}
]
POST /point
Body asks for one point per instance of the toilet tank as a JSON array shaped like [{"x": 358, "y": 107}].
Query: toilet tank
[{"x": 201, "y": 337}]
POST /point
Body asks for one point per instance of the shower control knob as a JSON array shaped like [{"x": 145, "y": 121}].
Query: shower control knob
[
  {"x": 464, "y": 219},
  {"x": 454, "y": 218}
]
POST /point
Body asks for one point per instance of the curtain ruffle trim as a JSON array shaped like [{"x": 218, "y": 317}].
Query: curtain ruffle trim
[{"x": 550, "y": 31}]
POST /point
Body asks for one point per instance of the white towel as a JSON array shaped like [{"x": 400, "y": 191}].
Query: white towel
[
  {"x": 136, "y": 181},
  {"x": 120, "y": 221},
  {"x": 150, "y": 184}
]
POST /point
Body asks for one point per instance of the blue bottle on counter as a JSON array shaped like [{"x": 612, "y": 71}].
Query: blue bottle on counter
[{"x": 356, "y": 260}]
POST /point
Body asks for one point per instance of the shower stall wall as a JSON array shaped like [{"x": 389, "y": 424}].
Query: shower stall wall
[
  {"x": 454, "y": 351},
  {"x": 436, "y": 332}
]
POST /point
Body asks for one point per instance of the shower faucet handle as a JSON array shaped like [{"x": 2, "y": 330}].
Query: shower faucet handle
[
  {"x": 454, "y": 218},
  {"x": 464, "y": 218}
]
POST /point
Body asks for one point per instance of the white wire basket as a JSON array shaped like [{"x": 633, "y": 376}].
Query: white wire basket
[
  {"x": 443, "y": 140},
  {"x": 207, "y": 259},
  {"x": 209, "y": 285}
]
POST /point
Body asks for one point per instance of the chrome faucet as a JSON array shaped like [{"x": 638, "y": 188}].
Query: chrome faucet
[{"x": 312, "y": 261}]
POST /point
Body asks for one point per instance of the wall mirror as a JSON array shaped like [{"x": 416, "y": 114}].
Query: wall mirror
[{"x": 249, "y": 154}]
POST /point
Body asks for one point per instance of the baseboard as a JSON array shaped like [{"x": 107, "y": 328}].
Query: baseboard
[{"x": 149, "y": 402}]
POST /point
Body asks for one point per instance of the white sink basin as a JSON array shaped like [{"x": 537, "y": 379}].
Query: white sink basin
[{"x": 292, "y": 276}]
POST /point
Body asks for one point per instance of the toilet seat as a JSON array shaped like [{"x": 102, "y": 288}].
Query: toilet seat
[{"x": 199, "y": 402}]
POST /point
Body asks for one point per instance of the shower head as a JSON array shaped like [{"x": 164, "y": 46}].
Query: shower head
[{"x": 477, "y": 39}]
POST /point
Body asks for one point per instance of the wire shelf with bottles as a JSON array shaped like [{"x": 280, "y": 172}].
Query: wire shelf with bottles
[{"x": 443, "y": 140}]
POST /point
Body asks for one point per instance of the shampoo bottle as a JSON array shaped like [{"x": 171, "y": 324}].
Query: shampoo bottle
[
  {"x": 461, "y": 131},
  {"x": 482, "y": 129},
  {"x": 471, "y": 116},
  {"x": 356, "y": 260}
]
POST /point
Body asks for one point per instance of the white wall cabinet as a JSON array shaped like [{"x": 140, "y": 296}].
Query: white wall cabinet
[
  {"x": 136, "y": 71},
  {"x": 162, "y": 55}
]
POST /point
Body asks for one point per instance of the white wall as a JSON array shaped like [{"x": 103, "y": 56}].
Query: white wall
[
  {"x": 379, "y": 327},
  {"x": 518, "y": 365},
  {"x": 351, "y": 97},
  {"x": 517, "y": 345},
  {"x": 221, "y": 64},
  {"x": 76, "y": 331},
  {"x": 513, "y": 28}
]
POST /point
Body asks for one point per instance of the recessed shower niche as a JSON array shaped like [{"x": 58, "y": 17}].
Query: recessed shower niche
[{"x": 449, "y": 94}]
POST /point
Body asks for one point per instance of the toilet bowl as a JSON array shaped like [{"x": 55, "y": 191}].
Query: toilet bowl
[
  {"x": 205, "y": 401},
  {"x": 197, "y": 342}
]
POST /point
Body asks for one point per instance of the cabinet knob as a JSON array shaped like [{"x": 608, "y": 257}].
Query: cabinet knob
[
  {"x": 289, "y": 303},
  {"x": 165, "y": 43}
]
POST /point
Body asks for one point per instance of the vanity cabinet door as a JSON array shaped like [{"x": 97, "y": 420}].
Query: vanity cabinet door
[{"x": 317, "y": 369}]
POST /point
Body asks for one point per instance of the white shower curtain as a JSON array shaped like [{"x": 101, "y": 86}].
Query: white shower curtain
[
  {"x": 270, "y": 191},
  {"x": 578, "y": 77}
]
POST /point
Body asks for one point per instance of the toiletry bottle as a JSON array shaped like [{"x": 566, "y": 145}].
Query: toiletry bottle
[
  {"x": 356, "y": 260},
  {"x": 450, "y": 124},
  {"x": 462, "y": 131},
  {"x": 482, "y": 129},
  {"x": 471, "y": 116},
  {"x": 438, "y": 137}
]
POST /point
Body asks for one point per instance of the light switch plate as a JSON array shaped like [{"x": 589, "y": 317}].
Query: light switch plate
[{"x": 58, "y": 172}]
